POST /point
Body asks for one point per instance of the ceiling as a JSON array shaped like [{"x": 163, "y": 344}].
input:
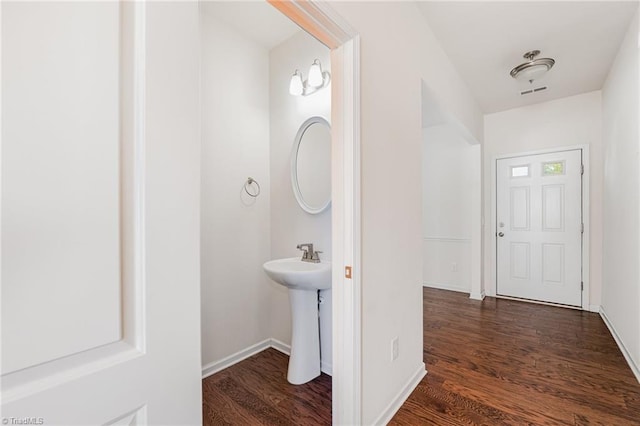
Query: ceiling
[
  {"x": 257, "y": 20},
  {"x": 485, "y": 40}
]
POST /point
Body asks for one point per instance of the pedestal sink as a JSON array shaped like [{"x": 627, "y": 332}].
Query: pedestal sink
[{"x": 303, "y": 279}]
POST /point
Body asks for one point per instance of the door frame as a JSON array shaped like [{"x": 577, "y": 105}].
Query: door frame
[
  {"x": 586, "y": 294},
  {"x": 323, "y": 23}
]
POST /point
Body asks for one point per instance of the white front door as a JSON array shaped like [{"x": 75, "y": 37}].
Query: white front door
[
  {"x": 539, "y": 227},
  {"x": 100, "y": 213}
]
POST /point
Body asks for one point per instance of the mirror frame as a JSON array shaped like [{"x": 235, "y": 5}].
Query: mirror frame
[{"x": 294, "y": 165}]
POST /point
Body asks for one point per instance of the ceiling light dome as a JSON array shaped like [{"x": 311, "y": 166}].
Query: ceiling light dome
[{"x": 534, "y": 69}]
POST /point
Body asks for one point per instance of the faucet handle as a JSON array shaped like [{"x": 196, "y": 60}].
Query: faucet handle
[
  {"x": 315, "y": 256},
  {"x": 307, "y": 250}
]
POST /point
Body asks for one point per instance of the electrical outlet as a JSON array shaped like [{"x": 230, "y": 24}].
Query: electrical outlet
[
  {"x": 454, "y": 267},
  {"x": 394, "y": 349}
]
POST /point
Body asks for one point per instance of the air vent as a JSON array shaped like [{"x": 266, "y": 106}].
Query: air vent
[{"x": 530, "y": 91}]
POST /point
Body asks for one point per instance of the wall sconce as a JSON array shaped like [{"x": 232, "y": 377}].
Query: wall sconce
[{"x": 318, "y": 79}]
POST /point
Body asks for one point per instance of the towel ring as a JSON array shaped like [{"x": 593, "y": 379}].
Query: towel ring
[{"x": 250, "y": 181}]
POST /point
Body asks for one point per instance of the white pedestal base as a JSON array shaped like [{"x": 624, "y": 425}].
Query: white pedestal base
[{"x": 304, "y": 361}]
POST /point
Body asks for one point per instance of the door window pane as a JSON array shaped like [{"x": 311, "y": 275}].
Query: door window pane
[
  {"x": 553, "y": 168},
  {"x": 519, "y": 171}
]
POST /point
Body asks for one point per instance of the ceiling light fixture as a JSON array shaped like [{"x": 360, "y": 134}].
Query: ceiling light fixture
[
  {"x": 534, "y": 69},
  {"x": 318, "y": 79}
]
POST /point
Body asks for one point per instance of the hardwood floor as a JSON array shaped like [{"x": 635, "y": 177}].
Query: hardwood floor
[
  {"x": 256, "y": 392},
  {"x": 506, "y": 362},
  {"x": 496, "y": 362}
]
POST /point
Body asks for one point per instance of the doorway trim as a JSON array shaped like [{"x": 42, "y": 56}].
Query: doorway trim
[
  {"x": 586, "y": 294},
  {"x": 323, "y": 23}
]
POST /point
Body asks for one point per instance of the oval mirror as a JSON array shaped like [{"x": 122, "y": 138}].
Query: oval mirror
[{"x": 311, "y": 165}]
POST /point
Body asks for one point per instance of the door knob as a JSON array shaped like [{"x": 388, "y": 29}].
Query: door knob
[{"x": 500, "y": 234}]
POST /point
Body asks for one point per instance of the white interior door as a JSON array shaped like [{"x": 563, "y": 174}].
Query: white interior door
[
  {"x": 100, "y": 202},
  {"x": 539, "y": 227}
]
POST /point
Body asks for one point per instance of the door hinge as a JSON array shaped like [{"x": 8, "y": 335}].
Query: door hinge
[
  {"x": 347, "y": 272},
  {"x": 581, "y": 169},
  {"x": 581, "y": 285},
  {"x": 582, "y": 228}
]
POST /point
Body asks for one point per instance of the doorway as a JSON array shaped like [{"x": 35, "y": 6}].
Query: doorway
[
  {"x": 321, "y": 21},
  {"x": 329, "y": 29},
  {"x": 539, "y": 227}
]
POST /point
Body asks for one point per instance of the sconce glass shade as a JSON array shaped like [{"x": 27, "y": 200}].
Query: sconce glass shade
[
  {"x": 315, "y": 74},
  {"x": 295, "y": 86}
]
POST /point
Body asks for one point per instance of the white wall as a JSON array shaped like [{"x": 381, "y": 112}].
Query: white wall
[
  {"x": 450, "y": 169},
  {"x": 621, "y": 270},
  {"x": 249, "y": 124},
  {"x": 290, "y": 225},
  {"x": 60, "y": 181},
  {"x": 172, "y": 125},
  {"x": 398, "y": 51},
  {"x": 235, "y": 228},
  {"x": 576, "y": 120}
]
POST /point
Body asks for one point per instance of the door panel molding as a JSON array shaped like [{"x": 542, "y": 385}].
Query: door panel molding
[
  {"x": 137, "y": 417},
  {"x": 548, "y": 274},
  {"x": 516, "y": 216},
  {"x": 30, "y": 380},
  {"x": 61, "y": 181},
  {"x": 546, "y": 220},
  {"x": 161, "y": 334},
  {"x": 522, "y": 251}
]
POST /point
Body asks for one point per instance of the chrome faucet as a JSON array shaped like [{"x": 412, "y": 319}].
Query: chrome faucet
[{"x": 308, "y": 254}]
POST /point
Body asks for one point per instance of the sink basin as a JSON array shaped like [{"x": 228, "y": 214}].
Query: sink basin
[
  {"x": 295, "y": 274},
  {"x": 303, "y": 280}
]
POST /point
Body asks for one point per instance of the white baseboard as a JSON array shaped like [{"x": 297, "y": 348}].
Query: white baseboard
[
  {"x": 635, "y": 368},
  {"x": 280, "y": 346},
  {"x": 216, "y": 366},
  {"x": 326, "y": 368},
  {"x": 477, "y": 296},
  {"x": 594, "y": 308},
  {"x": 450, "y": 287},
  {"x": 386, "y": 416},
  {"x": 276, "y": 344}
]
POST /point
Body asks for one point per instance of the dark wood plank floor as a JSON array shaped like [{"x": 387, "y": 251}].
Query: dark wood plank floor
[
  {"x": 506, "y": 362},
  {"x": 256, "y": 392},
  {"x": 490, "y": 363}
]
